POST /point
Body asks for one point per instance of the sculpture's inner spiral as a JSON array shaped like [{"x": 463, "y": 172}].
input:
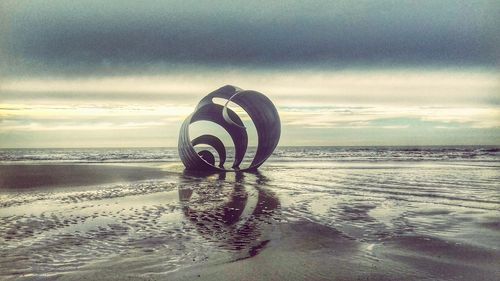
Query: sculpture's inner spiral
[{"x": 261, "y": 111}]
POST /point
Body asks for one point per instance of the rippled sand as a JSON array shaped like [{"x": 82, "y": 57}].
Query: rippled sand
[{"x": 292, "y": 221}]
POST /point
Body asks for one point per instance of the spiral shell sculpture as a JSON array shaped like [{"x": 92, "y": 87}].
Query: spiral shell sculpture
[{"x": 260, "y": 109}]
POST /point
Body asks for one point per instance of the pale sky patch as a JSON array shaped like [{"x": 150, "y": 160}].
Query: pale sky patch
[{"x": 398, "y": 101}]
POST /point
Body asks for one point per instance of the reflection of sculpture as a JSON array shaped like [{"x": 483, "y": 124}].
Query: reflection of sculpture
[
  {"x": 234, "y": 215},
  {"x": 260, "y": 109}
]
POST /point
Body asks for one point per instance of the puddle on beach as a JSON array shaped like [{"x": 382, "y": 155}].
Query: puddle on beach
[{"x": 55, "y": 231}]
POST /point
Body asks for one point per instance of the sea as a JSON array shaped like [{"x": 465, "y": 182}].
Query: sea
[{"x": 457, "y": 154}]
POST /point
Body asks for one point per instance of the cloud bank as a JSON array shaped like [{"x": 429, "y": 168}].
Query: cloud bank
[{"x": 89, "y": 37}]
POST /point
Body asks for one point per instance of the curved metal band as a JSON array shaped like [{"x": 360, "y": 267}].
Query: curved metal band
[
  {"x": 260, "y": 109},
  {"x": 214, "y": 142}
]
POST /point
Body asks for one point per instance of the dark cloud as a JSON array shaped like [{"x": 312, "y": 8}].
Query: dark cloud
[{"x": 85, "y": 36}]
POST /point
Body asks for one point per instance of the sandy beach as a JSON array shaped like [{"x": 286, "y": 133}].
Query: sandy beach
[{"x": 291, "y": 221}]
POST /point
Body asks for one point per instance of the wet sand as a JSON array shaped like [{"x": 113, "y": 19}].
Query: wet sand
[
  {"x": 289, "y": 222},
  {"x": 54, "y": 175}
]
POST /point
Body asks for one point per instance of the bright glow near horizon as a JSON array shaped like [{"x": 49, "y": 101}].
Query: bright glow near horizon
[{"x": 388, "y": 107}]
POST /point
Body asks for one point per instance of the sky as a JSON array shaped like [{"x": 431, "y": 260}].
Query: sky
[{"x": 127, "y": 73}]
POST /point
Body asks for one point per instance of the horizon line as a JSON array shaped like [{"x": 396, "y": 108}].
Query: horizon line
[{"x": 173, "y": 147}]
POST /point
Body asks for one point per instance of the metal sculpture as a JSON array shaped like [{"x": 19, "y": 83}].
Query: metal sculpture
[{"x": 260, "y": 109}]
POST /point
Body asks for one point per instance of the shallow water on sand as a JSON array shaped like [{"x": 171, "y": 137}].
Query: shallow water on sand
[{"x": 315, "y": 220}]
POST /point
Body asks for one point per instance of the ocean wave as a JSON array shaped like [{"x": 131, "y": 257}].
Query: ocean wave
[{"x": 282, "y": 154}]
